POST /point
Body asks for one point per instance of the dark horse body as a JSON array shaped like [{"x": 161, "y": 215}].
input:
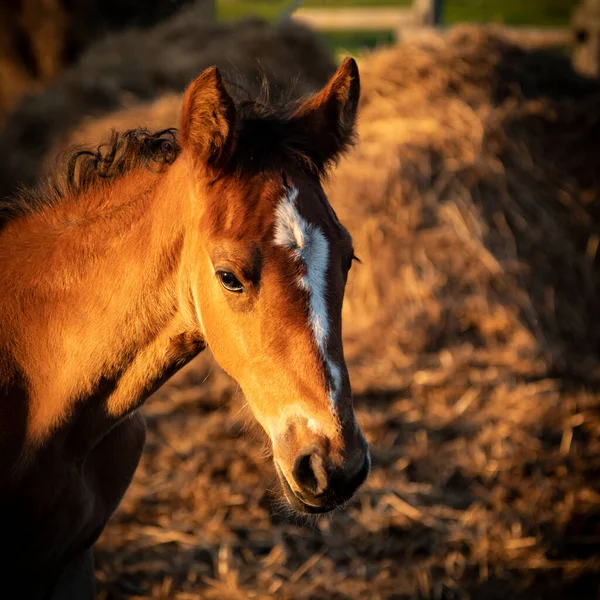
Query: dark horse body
[{"x": 117, "y": 275}]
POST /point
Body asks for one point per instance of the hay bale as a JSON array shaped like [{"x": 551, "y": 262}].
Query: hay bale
[
  {"x": 138, "y": 66},
  {"x": 39, "y": 38},
  {"x": 473, "y": 199}
]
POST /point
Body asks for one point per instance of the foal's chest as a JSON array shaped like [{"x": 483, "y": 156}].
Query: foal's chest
[{"x": 62, "y": 505}]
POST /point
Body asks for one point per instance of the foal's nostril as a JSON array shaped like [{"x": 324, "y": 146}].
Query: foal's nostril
[{"x": 310, "y": 473}]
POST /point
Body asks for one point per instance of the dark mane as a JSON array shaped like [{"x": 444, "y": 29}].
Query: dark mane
[
  {"x": 125, "y": 152},
  {"x": 268, "y": 140},
  {"x": 83, "y": 169}
]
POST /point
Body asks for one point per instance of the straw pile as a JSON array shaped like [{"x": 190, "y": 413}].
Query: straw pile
[
  {"x": 472, "y": 341},
  {"x": 137, "y": 66},
  {"x": 474, "y": 197}
]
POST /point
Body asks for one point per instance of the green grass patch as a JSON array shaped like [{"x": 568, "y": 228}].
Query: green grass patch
[
  {"x": 270, "y": 9},
  {"x": 356, "y": 42},
  {"x": 507, "y": 12},
  {"x": 510, "y": 12}
]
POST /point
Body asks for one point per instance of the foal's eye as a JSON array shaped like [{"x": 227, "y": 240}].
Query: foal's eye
[
  {"x": 229, "y": 281},
  {"x": 354, "y": 258}
]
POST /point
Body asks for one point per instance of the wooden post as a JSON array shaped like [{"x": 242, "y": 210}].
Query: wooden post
[
  {"x": 428, "y": 13},
  {"x": 586, "y": 29},
  {"x": 288, "y": 10}
]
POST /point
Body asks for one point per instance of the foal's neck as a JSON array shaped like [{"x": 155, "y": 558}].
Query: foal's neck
[{"x": 103, "y": 312}]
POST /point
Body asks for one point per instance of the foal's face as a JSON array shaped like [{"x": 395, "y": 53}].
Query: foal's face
[{"x": 273, "y": 263}]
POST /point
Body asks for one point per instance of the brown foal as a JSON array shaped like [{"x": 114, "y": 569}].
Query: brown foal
[{"x": 120, "y": 270}]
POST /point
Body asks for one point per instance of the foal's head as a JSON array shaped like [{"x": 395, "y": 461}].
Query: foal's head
[{"x": 273, "y": 261}]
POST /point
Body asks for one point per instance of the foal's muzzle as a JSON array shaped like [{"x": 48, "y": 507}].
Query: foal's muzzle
[{"x": 319, "y": 487}]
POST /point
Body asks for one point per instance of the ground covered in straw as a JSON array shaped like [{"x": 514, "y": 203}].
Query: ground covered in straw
[{"x": 472, "y": 338}]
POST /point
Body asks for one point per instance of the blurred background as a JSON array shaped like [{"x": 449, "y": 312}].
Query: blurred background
[{"x": 472, "y": 327}]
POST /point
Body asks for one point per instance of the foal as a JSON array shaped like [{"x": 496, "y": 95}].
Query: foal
[{"x": 118, "y": 273}]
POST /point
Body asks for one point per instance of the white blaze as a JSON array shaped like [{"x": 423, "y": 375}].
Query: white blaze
[{"x": 310, "y": 246}]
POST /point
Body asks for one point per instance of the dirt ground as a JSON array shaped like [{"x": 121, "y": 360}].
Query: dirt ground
[{"x": 472, "y": 338}]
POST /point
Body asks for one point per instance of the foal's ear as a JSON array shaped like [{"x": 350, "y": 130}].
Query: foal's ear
[
  {"x": 208, "y": 119},
  {"x": 327, "y": 120}
]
